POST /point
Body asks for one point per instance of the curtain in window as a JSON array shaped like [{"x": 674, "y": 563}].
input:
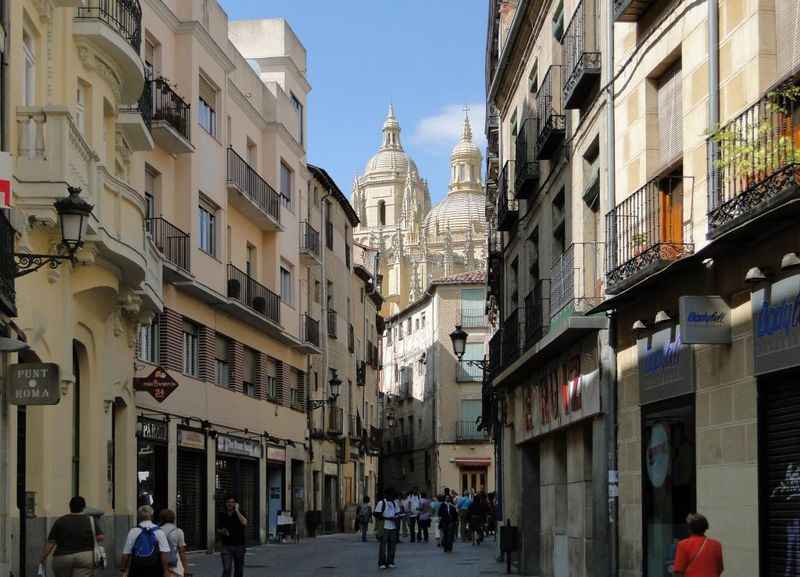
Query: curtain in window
[{"x": 670, "y": 114}]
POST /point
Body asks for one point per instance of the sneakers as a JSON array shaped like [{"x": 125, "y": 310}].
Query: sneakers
[
  {"x": 391, "y": 565},
  {"x": 382, "y": 567}
]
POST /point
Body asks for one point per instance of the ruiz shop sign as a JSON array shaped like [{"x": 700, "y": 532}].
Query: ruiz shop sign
[
  {"x": 666, "y": 366},
  {"x": 776, "y": 326}
]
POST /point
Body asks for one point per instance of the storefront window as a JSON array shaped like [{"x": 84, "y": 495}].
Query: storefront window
[
  {"x": 152, "y": 464},
  {"x": 668, "y": 481}
]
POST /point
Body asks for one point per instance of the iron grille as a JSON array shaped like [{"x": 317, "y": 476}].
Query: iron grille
[
  {"x": 581, "y": 55},
  {"x": 252, "y": 294},
  {"x": 250, "y": 183},
  {"x": 123, "y": 16},
  {"x": 170, "y": 240},
  {"x": 552, "y": 121}
]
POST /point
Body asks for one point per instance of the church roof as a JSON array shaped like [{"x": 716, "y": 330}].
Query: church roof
[
  {"x": 458, "y": 210},
  {"x": 390, "y": 156},
  {"x": 465, "y": 147},
  {"x": 471, "y": 277}
]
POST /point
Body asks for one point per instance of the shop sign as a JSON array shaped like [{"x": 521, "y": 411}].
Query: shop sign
[
  {"x": 666, "y": 366},
  {"x": 191, "y": 439},
  {"x": 276, "y": 454},
  {"x": 159, "y": 384},
  {"x": 153, "y": 430},
  {"x": 34, "y": 384},
  {"x": 330, "y": 469},
  {"x": 705, "y": 320},
  {"x": 776, "y": 326},
  {"x": 239, "y": 446}
]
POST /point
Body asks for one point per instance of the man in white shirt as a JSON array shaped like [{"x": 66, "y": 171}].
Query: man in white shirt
[
  {"x": 412, "y": 507},
  {"x": 388, "y": 511},
  {"x": 138, "y": 560}
]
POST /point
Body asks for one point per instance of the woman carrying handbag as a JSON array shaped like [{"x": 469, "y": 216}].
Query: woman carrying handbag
[
  {"x": 698, "y": 555},
  {"x": 73, "y": 542}
]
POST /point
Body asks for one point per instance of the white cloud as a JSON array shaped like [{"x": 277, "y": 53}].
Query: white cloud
[{"x": 443, "y": 130}]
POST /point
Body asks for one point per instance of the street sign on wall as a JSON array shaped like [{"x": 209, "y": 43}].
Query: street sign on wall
[
  {"x": 705, "y": 320},
  {"x": 34, "y": 384},
  {"x": 159, "y": 384}
]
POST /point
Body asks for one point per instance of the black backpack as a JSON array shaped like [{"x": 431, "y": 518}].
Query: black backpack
[{"x": 146, "y": 554}]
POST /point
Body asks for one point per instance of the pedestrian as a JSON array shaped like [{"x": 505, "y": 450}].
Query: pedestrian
[
  {"x": 387, "y": 510},
  {"x": 146, "y": 549},
  {"x": 698, "y": 555},
  {"x": 436, "y": 503},
  {"x": 231, "y": 528},
  {"x": 72, "y": 542},
  {"x": 364, "y": 516},
  {"x": 178, "y": 564},
  {"x": 463, "y": 505},
  {"x": 424, "y": 520},
  {"x": 448, "y": 522},
  {"x": 412, "y": 512},
  {"x": 477, "y": 518}
]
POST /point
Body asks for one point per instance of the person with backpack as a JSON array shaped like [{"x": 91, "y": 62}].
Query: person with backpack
[
  {"x": 72, "y": 541},
  {"x": 231, "y": 527},
  {"x": 387, "y": 510},
  {"x": 363, "y": 517},
  {"x": 146, "y": 550},
  {"x": 177, "y": 543}
]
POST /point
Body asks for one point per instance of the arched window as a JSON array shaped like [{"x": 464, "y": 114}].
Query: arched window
[{"x": 382, "y": 212}]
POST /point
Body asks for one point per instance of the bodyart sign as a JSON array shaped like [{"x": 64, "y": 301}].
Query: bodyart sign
[
  {"x": 666, "y": 366},
  {"x": 705, "y": 320},
  {"x": 776, "y": 326}
]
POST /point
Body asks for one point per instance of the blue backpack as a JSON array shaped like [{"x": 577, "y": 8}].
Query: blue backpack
[{"x": 146, "y": 554}]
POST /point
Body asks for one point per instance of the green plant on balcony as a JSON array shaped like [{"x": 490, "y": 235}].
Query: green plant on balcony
[
  {"x": 639, "y": 243},
  {"x": 750, "y": 151}
]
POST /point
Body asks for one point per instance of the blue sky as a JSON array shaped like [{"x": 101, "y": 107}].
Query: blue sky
[{"x": 426, "y": 56}]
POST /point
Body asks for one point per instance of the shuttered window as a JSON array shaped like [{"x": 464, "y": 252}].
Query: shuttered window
[
  {"x": 250, "y": 375},
  {"x": 223, "y": 364},
  {"x": 271, "y": 374},
  {"x": 670, "y": 114},
  {"x": 787, "y": 14}
]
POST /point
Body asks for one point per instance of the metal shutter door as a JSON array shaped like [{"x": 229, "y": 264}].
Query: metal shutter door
[
  {"x": 191, "y": 502},
  {"x": 248, "y": 491},
  {"x": 780, "y": 491},
  {"x": 787, "y": 14},
  {"x": 670, "y": 114}
]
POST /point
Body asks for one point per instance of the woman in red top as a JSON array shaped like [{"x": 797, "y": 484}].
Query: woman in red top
[{"x": 697, "y": 555}]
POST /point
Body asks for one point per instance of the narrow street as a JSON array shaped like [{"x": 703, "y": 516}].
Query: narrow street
[{"x": 347, "y": 556}]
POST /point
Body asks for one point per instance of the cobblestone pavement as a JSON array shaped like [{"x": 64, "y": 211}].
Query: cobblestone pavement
[{"x": 346, "y": 556}]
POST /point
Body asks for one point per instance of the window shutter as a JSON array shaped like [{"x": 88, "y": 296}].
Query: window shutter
[
  {"x": 787, "y": 14},
  {"x": 670, "y": 114}
]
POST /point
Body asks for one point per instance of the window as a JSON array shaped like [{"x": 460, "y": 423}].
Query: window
[
  {"x": 317, "y": 291},
  {"x": 150, "y": 178},
  {"x": 250, "y": 263},
  {"x": 472, "y": 307},
  {"x": 533, "y": 257},
  {"x": 208, "y": 226},
  {"x": 470, "y": 413},
  {"x": 514, "y": 285},
  {"x": 252, "y": 154},
  {"x": 468, "y": 372},
  {"x": 250, "y": 373},
  {"x": 422, "y": 317},
  {"x": 382, "y": 212},
  {"x": 80, "y": 107},
  {"x": 148, "y": 341},
  {"x": 286, "y": 286},
  {"x": 670, "y": 114},
  {"x": 191, "y": 352},
  {"x": 416, "y": 324},
  {"x": 316, "y": 195},
  {"x": 298, "y": 110},
  {"x": 287, "y": 182},
  {"x": 533, "y": 79},
  {"x": 559, "y": 224},
  {"x": 408, "y": 327},
  {"x": 149, "y": 59},
  {"x": 271, "y": 370},
  {"x": 221, "y": 355},
  {"x": 206, "y": 107}
]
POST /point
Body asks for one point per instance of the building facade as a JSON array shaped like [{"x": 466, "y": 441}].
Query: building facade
[
  {"x": 433, "y": 400},
  {"x": 697, "y": 185}
]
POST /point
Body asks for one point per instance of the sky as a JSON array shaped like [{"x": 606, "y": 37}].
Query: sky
[{"x": 424, "y": 56}]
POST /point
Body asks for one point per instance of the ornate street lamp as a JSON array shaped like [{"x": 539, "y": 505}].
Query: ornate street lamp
[
  {"x": 334, "y": 383},
  {"x": 390, "y": 419},
  {"x": 73, "y": 218},
  {"x": 459, "y": 338}
]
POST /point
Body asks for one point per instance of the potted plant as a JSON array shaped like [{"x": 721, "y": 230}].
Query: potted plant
[{"x": 639, "y": 243}]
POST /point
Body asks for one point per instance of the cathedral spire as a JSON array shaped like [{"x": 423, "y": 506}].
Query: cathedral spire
[
  {"x": 466, "y": 133},
  {"x": 391, "y": 132}
]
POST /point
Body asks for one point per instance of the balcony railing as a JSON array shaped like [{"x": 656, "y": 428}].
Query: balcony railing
[
  {"x": 581, "y": 56},
  {"x": 527, "y": 166},
  {"x": 507, "y": 206},
  {"x": 351, "y": 339},
  {"x": 252, "y": 294},
  {"x": 335, "y": 424},
  {"x": 173, "y": 243},
  {"x": 576, "y": 279},
  {"x": 310, "y": 330},
  {"x": 496, "y": 353},
  {"x": 8, "y": 293},
  {"x": 630, "y": 10},
  {"x": 355, "y": 427},
  {"x": 249, "y": 182},
  {"x": 333, "y": 319},
  {"x": 646, "y": 232},
  {"x": 537, "y": 312},
  {"x": 309, "y": 239},
  {"x": 468, "y": 373},
  {"x": 511, "y": 340},
  {"x": 473, "y": 315},
  {"x": 468, "y": 431},
  {"x": 552, "y": 121},
  {"x": 159, "y": 102},
  {"x": 757, "y": 163},
  {"x": 123, "y": 16}
]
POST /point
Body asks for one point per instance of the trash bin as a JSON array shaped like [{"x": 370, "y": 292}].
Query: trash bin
[{"x": 509, "y": 540}]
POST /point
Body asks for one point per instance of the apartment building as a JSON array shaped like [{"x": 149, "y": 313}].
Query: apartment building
[
  {"x": 343, "y": 420},
  {"x": 433, "y": 434},
  {"x": 698, "y": 284}
]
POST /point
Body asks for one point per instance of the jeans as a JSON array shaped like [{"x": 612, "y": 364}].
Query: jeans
[
  {"x": 233, "y": 555},
  {"x": 387, "y": 547},
  {"x": 364, "y": 526},
  {"x": 412, "y": 527}
]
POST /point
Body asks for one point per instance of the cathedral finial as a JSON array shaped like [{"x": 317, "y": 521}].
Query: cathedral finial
[
  {"x": 466, "y": 134},
  {"x": 391, "y": 111},
  {"x": 391, "y": 131}
]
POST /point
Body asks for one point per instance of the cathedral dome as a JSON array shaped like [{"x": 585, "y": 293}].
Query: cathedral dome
[
  {"x": 466, "y": 149},
  {"x": 390, "y": 156},
  {"x": 457, "y": 211}
]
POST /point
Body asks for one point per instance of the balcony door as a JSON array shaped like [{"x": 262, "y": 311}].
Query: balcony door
[{"x": 671, "y": 211}]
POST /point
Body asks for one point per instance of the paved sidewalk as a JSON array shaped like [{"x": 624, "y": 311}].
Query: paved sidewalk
[{"x": 346, "y": 556}]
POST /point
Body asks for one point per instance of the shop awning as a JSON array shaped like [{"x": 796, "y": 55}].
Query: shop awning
[{"x": 473, "y": 462}]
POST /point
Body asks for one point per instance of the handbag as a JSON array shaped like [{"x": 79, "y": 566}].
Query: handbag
[{"x": 100, "y": 559}]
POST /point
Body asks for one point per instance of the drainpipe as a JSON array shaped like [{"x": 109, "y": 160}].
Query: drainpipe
[
  {"x": 713, "y": 94},
  {"x": 610, "y": 130}
]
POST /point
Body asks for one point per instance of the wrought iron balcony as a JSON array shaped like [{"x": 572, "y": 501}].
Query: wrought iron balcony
[
  {"x": 310, "y": 330},
  {"x": 581, "y": 56},
  {"x": 507, "y": 207},
  {"x": 645, "y": 232},
  {"x": 335, "y": 424},
  {"x": 496, "y": 352},
  {"x": 527, "y": 165},
  {"x": 355, "y": 429},
  {"x": 167, "y": 115},
  {"x": 576, "y": 280},
  {"x": 467, "y": 431},
  {"x": 123, "y": 16},
  {"x": 333, "y": 319},
  {"x": 473, "y": 316},
  {"x": 630, "y": 10},
  {"x": 309, "y": 242},
  {"x": 537, "y": 312},
  {"x": 467, "y": 372},
  {"x": 757, "y": 162},
  {"x": 511, "y": 340},
  {"x": 253, "y": 195},
  {"x": 252, "y": 294},
  {"x": 8, "y": 293},
  {"x": 552, "y": 122},
  {"x": 173, "y": 243},
  {"x": 351, "y": 339}
]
